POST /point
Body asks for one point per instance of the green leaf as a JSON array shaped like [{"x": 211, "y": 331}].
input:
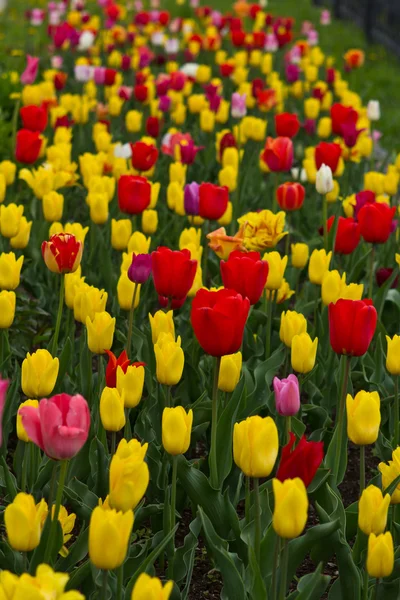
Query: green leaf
[
  {"x": 76, "y": 554},
  {"x": 65, "y": 359},
  {"x": 79, "y": 575},
  {"x": 185, "y": 555},
  {"x": 313, "y": 585},
  {"x": 99, "y": 467},
  {"x": 225, "y": 426}
]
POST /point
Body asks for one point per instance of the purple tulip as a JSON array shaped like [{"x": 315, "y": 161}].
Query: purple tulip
[
  {"x": 140, "y": 269},
  {"x": 292, "y": 73},
  {"x": 287, "y": 395},
  {"x": 191, "y": 198}
]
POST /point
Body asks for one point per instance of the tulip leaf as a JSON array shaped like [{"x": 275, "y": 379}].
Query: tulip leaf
[
  {"x": 7, "y": 479},
  {"x": 330, "y": 458},
  {"x": 78, "y": 576},
  {"x": 313, "y": 585},
  {"x": 77, "y": 552},
  {"x": 225, "y": 426},
  {"x": 40, "y": 551},
  {"x": 98, "y": 467},
  {"x": 320, "y": 478},
  {"x": 381, "y": 295},
  {"x": 351, "y": 520},
  {"x": 64, "y": 362},
  {"x": 184, "y": 556},
  {"x": 81, "y": 499},
  {"x": 254, "y": 581}
]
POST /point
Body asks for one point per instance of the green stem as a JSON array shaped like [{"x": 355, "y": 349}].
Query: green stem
[
  {"x": 113, "y": 442},
  {"x": 284, "y": 569},
  {"x": 103, "y": 595},
  {"x": 346, "y": 360},
  {"x": 214, "y": 417},
  {"x": 58, "y": 321},
  {"x": 287, "y": 239},
  {"x": 11, "y": 489},
  {"x": 120, "y": 581},
  {"x": 247, "y": 501},
  {"x": 371, "y": 272},
  {"x": 173, "y": 511},
  {"x": 130, "y": 324},
  {"x": 274, "y": 582},
  {"x": 362, "y": 468},
  {"x": 270, "y": 302},
  {"x": 168, "y": 396},
  {"x": 54, "y": 522},
  {"x": 15, "y": 124},
  {"x": 325, "y": 219},
  {"x": 396, "y": 412},
  {"x": 288, "y": 422},
  {"x": 257, "y": 519},
  {"x": 25, "y": 463},
  {"x": 376, "y": 588},
  {"x": 365, "y": 584},
  {"x": 274, "y": 197}
]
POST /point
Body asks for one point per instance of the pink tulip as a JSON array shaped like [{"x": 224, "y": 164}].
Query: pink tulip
[
  {"x": 31, "y": 70},
  {"x": 238, "y": 105},
  {"x": 59, "y": 426},
  {"x": 287, "y": 395},
  {"x": 3, "y": 394}
]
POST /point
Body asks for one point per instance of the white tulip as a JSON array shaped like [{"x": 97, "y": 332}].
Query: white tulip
[
  {"x": 373, "y": 110},
  {"x": 324, "y": 181}
]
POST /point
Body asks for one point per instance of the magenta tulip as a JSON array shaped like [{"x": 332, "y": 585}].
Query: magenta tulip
[
  {"x": 32, "y": 66},
  {"x": 287, "y": 395}
]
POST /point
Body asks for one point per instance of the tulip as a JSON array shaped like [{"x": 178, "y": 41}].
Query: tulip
[
  {"x": 230, "y": 371},
  {"x": 112, "y": 366},
  {"x": 375, "y": 222},
  {"x": 373, "y": 510},
  {"x": 21, "y": 240},
  {"x": 246, "y": 273},
  {"x": 161, "y": 322},
  {"x": 100, "y": 332},
  {"x": 347, "y": 234},
  {"x": 10, "y": 219},
  {"x": 121, "y": 231},
  {"x": 290, "y": 196},
  {"x": 352, "y": 326},
  {"x": 59, "y": 426},
  {"x": 263, "y": 229},
  {"x": 324, "y": 182},
  {"x": 31, "y": 70},
  {"x": 213, "y": 201},
  {"x": 144, "y": 156},
  {"x": 170, "y": 359},
  {"x": 129, "y": 475},
  {"x": 109, "y": 535},
  {"x": 28, "y": 145},
  {"x": 112, "y": 409},
  {"x": 302, "y": 461},
  {"x": 332, "y": 287},
  {"x": 276, "y": 270},
  {"x": 291, "y": 507},
  {"x": 24, "y": 522},
  {"x": 62, "y": 253},
  {"x": 21, "y": 432},
  {"x": 300, "y": 254},
  {"x": 318, "y": 265},
  {"x": 39, "y": 374},
  {"x": 373, "y": 110},
  {"x": 303, "y": 353},
  {"x": 192, "y": 198},
  {"x": 292, "y": 323},
  {"x": 363, "y": 417},
  {"x": 176, "y": 430},
  {"x": 7, "y": 309},
  {"x": 278, "y": 154},
  {"x": 223, "y": 244},
  {"x": 287, "y": 125},
  {"x": 52, "y": 204},
  {"x": 88, "y": 301},
  {"x": 134, "y": 194},
  {"x": 287, "y": 395},
  {"x": 98, "y": 204},
  {"x": 140, "y": 269},
  {"x": 34, "y": 118},
  {"x": 130, "y": 383},
  {"x": 173, "y": 272},
  {"x": 238, "y": 105},
  {"x": 327, "y": 154},
  {"x": 149, "y": 221},
  {"x": 10, "y": 270},
  {"x": 380, "y": 556},
  {"x": 128, "y": 292},
  {"x": 393, "y": 355},
  {"x": 390, "y": 472},
  {"x": 255, "y": 446},
  {"x": 150, "y": 588}
]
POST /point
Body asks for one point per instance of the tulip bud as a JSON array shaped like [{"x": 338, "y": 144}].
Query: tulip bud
[
  {"x": 276, "y": 271},
  {"x": 255, "y": 446},
  {"x": 151, "y": 587},
  {"x": 393, "y": 355},
  {"x": 169, "y": 359},
  {"x": 39, "y": 374},
  {"x": 176, "y": 430},
  {"x": 149, "y": 221},
  {"x": 291, "y": 507},
  {"x": 53, "y": 204},
  {"x": 121, "y": 231},
  {"x": 238, "y": 105},
  {"x": 324, "y": 181},
  {"x": 21, "y": 431},
  {"x": 363, "y": 417},
  {"x": 129, "y": 475},
  {"x": 292, "y": 323},
  {"x": 318, "y": 265},
  {"x": 21, "y": 240},
  {"x": 109, "y": 535},
  {"x": 161, "y": 322},
  {"x": 287, "y": 395},
  {"x": 140, "y": 269},
  {"x": 10, "y": 270},
  {"x": 332, "y": 286},
  {"x": 7, "y": 309},
  {"x": 10, "y": 219},
  {"x": 304, "y": 352},
  {"x": 100, "y": 332},
  {"x": 373, "y": 510},
  {"x": 131, "y": 384},
  {"x": 373, "y": 110},
  {"x": 229, "y": 372},
  {"x": 112, "y": 409},
  {"x": 24, "y": 522},
  {"x": 380, "y": 557},
  {"x": 126, "y": 290},
  {"x": 300, "y": 254}
]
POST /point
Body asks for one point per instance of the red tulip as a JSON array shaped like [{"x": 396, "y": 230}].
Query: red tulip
[
  {"x": 218, "y": 320},
  {"x": 246, "y": 273},
  {"x": 112, "y": 365},
  {"x": 352, "y": 326},
  {"x": 347, "y": 235},
  {"x": 173, "y": 272},
  {"x": 34, "y": 118},
  {"x": 134, "y": 194},
  {"x": 290, "y": 196},
  {"x": 278, "y": 154},
  {"x": 140, "y": 92},
  {"x": 327, "y": 154},
  {"x": 153, "y": 126},
  {"x": 144, "y": 156},
  {"x": 376, "y": 222},
  {"x": 287, "y": 125},
  {"x": 341, "y": 114},
  {"x": 213, "y": 201},
  {"x": 227, "y": 141},
  {"x": 28, "y": 146},
  {"x": 62, "y": 253},
  {"x": 60, "y": 79},
  {"x": 109, "y": 76},
  {"x": 302, "y": 461}
]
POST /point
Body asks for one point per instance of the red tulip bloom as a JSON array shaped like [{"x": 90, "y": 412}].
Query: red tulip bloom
[
  {"x": 352, "y": 326},
  {"x": 62, "y": 253},
  {"x": 287, "y": 125},
  {"x": 227, "y": 141},
  {"x": 110, "y": 76},
  {"x": 340, "y": 115},
  {"x": 144, "y": 156},
  {"x": 28, "y": 146},
  {"x": 376, "y": 222},
  {"x": 290, "y": 196},
  {"x": 140, "y": 92},
  {"x": 34, "y": 118},
  {"x": 112, "y": 365},
  {"x": 226, "y": 69},
  {"x": 173, "y": 272},
  {"x": 134, "y": 194},
  {"x": 213, "y": 201},
  {"x": 327, "y": 154},
  {"x": 153, "y": 126},
  {"x": 278, "y": 154},
  {"x": 383, "y": 274},
  {"x": 60, "y": 79},
  {"x": 218, "y": 320},
  {"x": 347, "y": 235},
  {"x": 302, "y": 461},
  {"x": 246, "y": 273}
]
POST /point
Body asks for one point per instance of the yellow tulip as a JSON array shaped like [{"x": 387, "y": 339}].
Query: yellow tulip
[
  {"x": 129, "y": 475},
  {"x": 10, "y": 219},
  {"x": 7, "y": 309},
  {"x": 190, "y": 237},
  {"x": 276, "y": 271},
  {"x": 39, "y": 374},
  {"x": 380, "y": 557},
  {"x": 21, "y": 240},
  {"x": 109, "y": 535},
  {"x": 373, "y": 510},
  {"x": 363, "y": 417},
  {"x": 318, "y": 265},
  {"x": 21, "y": 433},
  {"x": 389, "y": 473},
  {"x": 98, "y": 204},
  {"x": 291, "y": 507},
  {"x": 8, "y": 169},
  {"x": 133, "y": 121},
  {"x": 100, "y": 332},
  {"x": 121, "y": 231},
  {"x": 126, "y": 290},
  {"x": 292, "y": 323},
  {"x": 207, "y": 120},
  {"x": 151, "y": 588},
  {"x": 24, "y": 522},
  {"x": 303, "y": 353},
  {"x": 112, "y": 409},
  {"x": 170, "y": 359},
  {"x": 255, "y": 446},
  {"x": 149, "y": 221},
  {"x": 138, "y": 243},
  {"x": 131, "y": 384},
  {"x": 230, "y": 371},
  {"x": 53, "y": 204},
  {"x": 300, "y": 253},
  {"x": 312, "y": 108},
  {"x": 176, "y": 430},
  {"x": 88, "y": 301},
  {"x": 393, "y": 355},
  {"x": 332, "y": 285},
  {"x": 177, "y": 173}
]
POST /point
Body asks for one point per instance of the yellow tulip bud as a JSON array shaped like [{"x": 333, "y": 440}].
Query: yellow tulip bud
[
  {"x": 177, "y": 172},
  {"x": 169, "y": 359},
  {"x": 121, "y": 231},
  {"x": 228, "y": 176},
  {"x": 10, "y": 269},
  {"x": 112, "y": 409},
  {"x": 10, "y": 219},
  {"x": 161, "y": 322},
  {"x": 324, "y": 128},
  {"x": 375, "y": 182},
  {"x": 21, "y": 240},
  {"x": 230, "y": 158},
  {"x": 373, "y": 510},
  {"x": 300, "y": 254},
  {"x": 100, "y": 332},
  {"x": 276, "y": 271},
  {"x": 292, "y": 323},
  {"x": 332, "y": 285},
  {"x": 363, "y": 417},
  {"x": 24, "y": 522},
  {"x": 291, "y": 507},
  {"x": 230, "y": 371},
  {"x": 207, "y": 120},
  {"x": 151, "y": 588},
  {"x": 149, "y": 221},
  {"x": 8, "y": 169},
  {"x": 390, "y": 472},
  {"x": 318, "y": 265},
  {"x": 39, "y": 374},
  {"x": 255, "y": 446},
  {"x": 353, "y": 291},
  {"x": 312, "y": 108},
  {"x": 304, "y": 352},
  {"x": 393, "y": 355},
  {"x": 155, "y": 190},
  {"x": 129, "y": 475},
  {"x": 77, "y": 230},
  {"x": 98, "y": 204},
  {"x": 126, "y": 290},
  {"x": 176, "y": 430},
  {"x": 21, "y": 433},
  {"x": 88, "y": 301},
  {"x": 380, "y": 557},
  {"x": 109, "y": 535},
  {"x": 203, "y": 74},
  {"x": 131, "y": 383},
  {"x": 7, "y": 309},
  {"x": 53, "y": 204},
  {"x": 138, "y": 243}
]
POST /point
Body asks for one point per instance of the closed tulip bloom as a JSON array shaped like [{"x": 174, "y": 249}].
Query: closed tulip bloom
[
  {"x": 255, "y": 446},
  {"x": 9, "y": 170},
  {"x": 28, "y": 146},
  {"x": 246, "y": 273},
  {"x": 291, "y": 507},
  {"x": 7, "y": 309},
  {"x": 287, "y": 395},
  {"x": 59, "y": 426},
  {"x": 318, "y": 265},
  {"x": 393, "y": 355},
  {"x": 130, "y": 383},
  {"x": 170, "y": 359},
  {"x": 151, "y": 588},
  {"x": 109, "y": 535},
  {"x": 21, "y": 240},
  {"x": 380, "y": 556},
  {"x": 149, "y": 221},
  {"x": 100, "y": 332},
  {"x": 276, "y": 271},
  {"x": 112, "y": 409},
  {"x": 10, "y": 218},
  {"x": 303, "y": 353},
  {"x": 287, "y": 125},
  {"x": 300, "y": 253},
  {"x": 390, "y": 472},
  {"x": 24, "y": 522},
  {"x": 173, "y": 272},
  {"x": 140, "y": 268},
  {"x": 62, "y": 253},
  {"x": 347, "y": 234},
  {"x": 327, "y": 154},
  {"x": 121, "y": 231},
  {"x": 363, "y": 417},
  {"x": 324, "y": 181},
  {"x": 375, "y": 222},
  {"x": 352, "y": 326},
  {"x": 10, "y": 270},
  {"x": 53, "y": 204},
  {"x": 88, "y": 301},
  {"x": 290, "y": 196},
  {"x": 129, "y": 475},
  {"x": 176, "y": 430},
  {"x": 373, "y": 510},
  {"x": 126, "y": 290},
  {"x": 278, "y": 154},
  {"x": 301, "y": 461},
  {"x": 292, "y": 323},
  {"x": 332, "y": 285},
  {"x": 213, "y": 201},
  {"x": 39, "y": 374},
  {"x": 144, "y": 156},
  {"x": 98, "y": 204},
  {"x": 21, "y": 432},
  {"x": 161, "y": 322},
  {"x": 229, "y": 372},
  {"x": 134, "y": 194}
]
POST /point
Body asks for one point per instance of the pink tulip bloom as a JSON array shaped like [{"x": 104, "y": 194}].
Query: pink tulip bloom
[
  {"x": 287, "y": 395},
  {"x": 325, "y": 17},
  {"x": 3, "y": 394},
  {"x": 31, "y": 70},
  {"x": 238, "y": 105},
  {"x": 59, "y": 426}
]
